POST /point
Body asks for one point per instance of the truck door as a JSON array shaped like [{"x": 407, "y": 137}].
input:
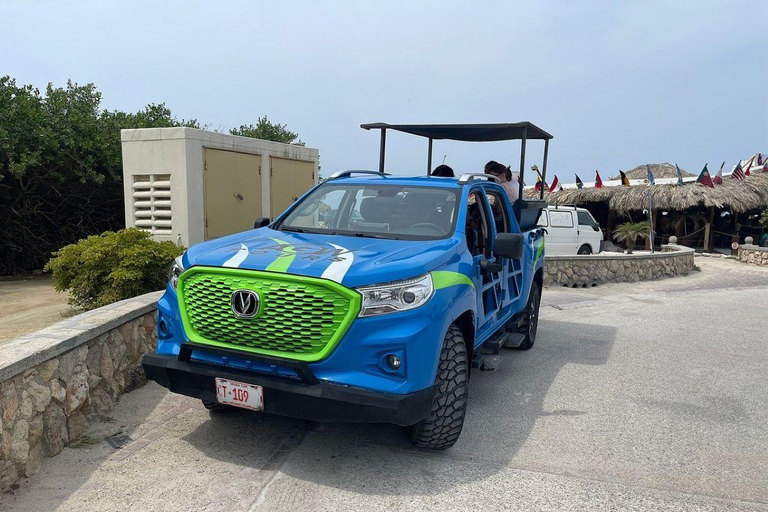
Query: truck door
[{"x": 512, "y": 274}]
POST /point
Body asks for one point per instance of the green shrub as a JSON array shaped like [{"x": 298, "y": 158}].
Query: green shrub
[{"x": 106, "y": 268}]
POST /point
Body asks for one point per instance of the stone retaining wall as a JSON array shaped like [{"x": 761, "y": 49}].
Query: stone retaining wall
[
  {"x": 54, "y": 381},
  {"x": 753, "y": 254},
  {"x": 591, "y": 270}
]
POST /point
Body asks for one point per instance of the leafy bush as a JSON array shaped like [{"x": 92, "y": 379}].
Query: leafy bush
[
  {"x": 106, "y": 268},
  {"x": 61, "y": 175}
]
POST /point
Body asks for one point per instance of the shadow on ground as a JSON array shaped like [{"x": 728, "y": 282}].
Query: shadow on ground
[{"x": 504, "y": 407}]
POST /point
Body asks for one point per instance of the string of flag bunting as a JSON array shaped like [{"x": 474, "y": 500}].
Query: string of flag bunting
[{"x": 758, "y": 162}]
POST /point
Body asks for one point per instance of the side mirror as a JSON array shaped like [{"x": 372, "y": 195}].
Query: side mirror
[
  {"x": 596, "y": 227},
  {"x": 261, "y": 222},
  {"x": 508, "y": 245}
]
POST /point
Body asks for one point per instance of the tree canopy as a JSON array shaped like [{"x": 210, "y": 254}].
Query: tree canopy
[{"x": 61, "y": 166}]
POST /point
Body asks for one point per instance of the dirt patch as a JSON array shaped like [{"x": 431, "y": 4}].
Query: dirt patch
[{"x": 29, "y": 304}]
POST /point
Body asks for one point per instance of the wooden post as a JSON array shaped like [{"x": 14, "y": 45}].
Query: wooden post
[
  {"x": 708, "y": 229},
  {"x": 609, "y": 229}
]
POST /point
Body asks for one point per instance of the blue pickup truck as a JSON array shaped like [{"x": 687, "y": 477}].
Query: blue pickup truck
[{"x": 372, "y": 298}]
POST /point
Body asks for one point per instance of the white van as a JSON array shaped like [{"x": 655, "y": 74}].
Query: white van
[{"x": 570, "y": 230}]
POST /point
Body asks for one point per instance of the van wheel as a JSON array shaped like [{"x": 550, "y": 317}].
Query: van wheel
[
  {"x": 442, "y": 427},
  {"x": 585, "y": 249},
  {"x": 531, "y": 320}
]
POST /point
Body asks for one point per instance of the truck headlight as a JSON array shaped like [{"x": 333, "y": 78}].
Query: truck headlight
[
  {"x": 174, "y": 272},
  {"x": 396, "y": 296}
]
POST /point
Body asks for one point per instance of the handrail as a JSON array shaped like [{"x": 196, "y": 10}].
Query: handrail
[
  {"x": 472, "y": 176},
  {"x": 346, "y": 174}
]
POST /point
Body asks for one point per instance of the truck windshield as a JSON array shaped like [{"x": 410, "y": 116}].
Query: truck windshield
[{"x": 376, "y": 211}]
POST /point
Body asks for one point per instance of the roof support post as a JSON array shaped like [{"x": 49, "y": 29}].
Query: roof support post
[
  {"x": 429, "y": 157},
  {"x": 544, "y": 168},
  {"x": 382, "y": 149},
  {"x": 522, "y": 164}
]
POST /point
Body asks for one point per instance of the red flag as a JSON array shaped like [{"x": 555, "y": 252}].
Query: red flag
[
  {"x": 598, "y": 181},
  {"x": 555, "y": 185},
  {"x": 748, "y": 166},
  {"x": 704, "y": 178},
  {"x": 765, "y": 167},
  {"x": 719, "y": 176}
]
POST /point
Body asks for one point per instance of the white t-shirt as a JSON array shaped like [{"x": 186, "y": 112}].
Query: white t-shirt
[{"x": 511, "y": 190}]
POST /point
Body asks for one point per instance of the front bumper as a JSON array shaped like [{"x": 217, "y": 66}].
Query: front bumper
[{"x": 314, "y": 400}]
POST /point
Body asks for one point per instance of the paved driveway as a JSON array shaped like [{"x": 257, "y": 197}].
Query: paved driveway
[{"x": 651, "y": 396}]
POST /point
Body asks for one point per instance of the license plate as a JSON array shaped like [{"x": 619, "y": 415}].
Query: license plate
[{"x": 240, "y": 394}]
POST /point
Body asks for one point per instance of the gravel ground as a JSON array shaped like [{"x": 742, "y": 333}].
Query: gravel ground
[
  {"x": 650, "y": 396},
  {"x": 29, "y": 304}
]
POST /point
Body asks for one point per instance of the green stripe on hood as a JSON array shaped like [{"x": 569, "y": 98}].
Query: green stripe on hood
[
  {"x": 286, "y": 257},
  {"x": 446, "y": 278}
]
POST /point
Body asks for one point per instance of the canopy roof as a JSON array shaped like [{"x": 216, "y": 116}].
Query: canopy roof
[{"x": 467, "y": 132}]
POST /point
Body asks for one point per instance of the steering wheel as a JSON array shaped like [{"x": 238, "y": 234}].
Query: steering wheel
[{"x": 436, "y": 230}]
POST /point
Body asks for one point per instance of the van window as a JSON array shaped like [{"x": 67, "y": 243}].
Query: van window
[
  {"x": 543, "y": 219},
  {"x": 585, "y": 219},
  {"x": 561, "y": 219}
]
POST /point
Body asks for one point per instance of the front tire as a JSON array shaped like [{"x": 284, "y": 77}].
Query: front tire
[
  {"x": 531, "y": 322},
  {"x": 441, "y": 429},
  {"x": 585, "y": 249}
]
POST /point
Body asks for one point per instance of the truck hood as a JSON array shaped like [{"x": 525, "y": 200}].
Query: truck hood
[{"x": 351, "y": 261}]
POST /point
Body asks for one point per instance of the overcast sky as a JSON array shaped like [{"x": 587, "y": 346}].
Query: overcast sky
[{"x": 618, "y": 84}]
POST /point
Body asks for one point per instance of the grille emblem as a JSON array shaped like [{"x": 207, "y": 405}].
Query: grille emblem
[{"x": 245, "y": 303}]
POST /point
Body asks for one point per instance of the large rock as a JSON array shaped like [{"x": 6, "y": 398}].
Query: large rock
[
  {"x": 35, "y": 460},
  {"x": 58, "y": 392},
  {"x": 106, "y": 369},
  {"x": 77, "y": 390},
  {"x": 48, "y": 370},
  {"x": 55, "y": 435},
  {"x": 20, "y": 442},
  {"x": 9, "y": 474},
  {"x": 26, "y": 408},
  {"x": 35, "y": 429},
  {"x": 10, "y": 398},
  {"x": 101, "y": 402},
  {"x": 77, "y": 424},
  {"x": 40, "y": 394}
]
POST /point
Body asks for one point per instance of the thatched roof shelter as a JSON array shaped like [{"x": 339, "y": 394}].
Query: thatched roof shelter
[
  {"x": 738, "y": 196},
  {"x": 665, "y": 170}
]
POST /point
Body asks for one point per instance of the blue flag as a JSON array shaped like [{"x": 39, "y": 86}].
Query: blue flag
[
  {"x": 650, "y": 174},
  {"x": 679, "y": 175}
]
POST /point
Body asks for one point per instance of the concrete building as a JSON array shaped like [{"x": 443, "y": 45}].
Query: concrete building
[{"x": 187, "y": 185}]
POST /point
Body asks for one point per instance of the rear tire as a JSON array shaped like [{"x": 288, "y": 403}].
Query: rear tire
[
  {"x": 441, "y": 429},
  {"x": 585, "y": 249},
  {"x": 531, "y": 321},
  {"x": 216, "y": 407}
]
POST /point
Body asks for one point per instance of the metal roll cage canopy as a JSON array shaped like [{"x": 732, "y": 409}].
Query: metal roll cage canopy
[{"x": 495, "y": 132}]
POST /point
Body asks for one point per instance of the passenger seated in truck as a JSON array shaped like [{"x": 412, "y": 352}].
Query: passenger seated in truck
[{"x": 505, "y": 177}]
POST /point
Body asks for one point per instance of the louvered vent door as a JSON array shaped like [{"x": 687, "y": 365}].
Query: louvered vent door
[{"x": 152, "y": 204}]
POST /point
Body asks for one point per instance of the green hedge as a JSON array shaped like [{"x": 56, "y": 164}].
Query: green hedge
[{"x": 113, "y": 266}]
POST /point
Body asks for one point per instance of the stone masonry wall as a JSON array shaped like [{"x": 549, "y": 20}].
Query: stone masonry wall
[
  {"x": 753, "y": 254},
  {"x": 591, "y": 270},
  {"x": 52, "y": 383}
]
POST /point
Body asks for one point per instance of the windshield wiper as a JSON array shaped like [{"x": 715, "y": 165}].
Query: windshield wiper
[{"x": 371, "y": 235}]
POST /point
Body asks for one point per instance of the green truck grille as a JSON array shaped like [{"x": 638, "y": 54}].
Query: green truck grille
[{"x": 300, "y": 317}]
